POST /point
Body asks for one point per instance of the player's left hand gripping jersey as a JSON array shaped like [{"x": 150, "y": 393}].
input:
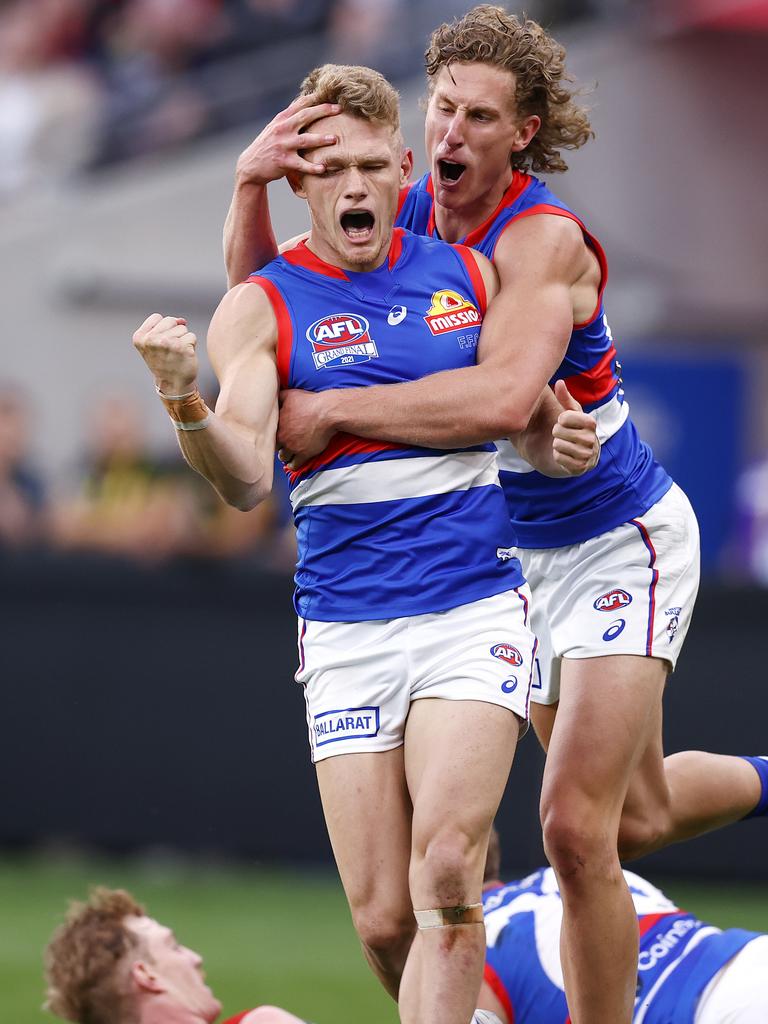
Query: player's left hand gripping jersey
[
  {"x": 552, "y": 512},
  {"x": 679, "y": 955},
  {"x": 388, "y": 530}
]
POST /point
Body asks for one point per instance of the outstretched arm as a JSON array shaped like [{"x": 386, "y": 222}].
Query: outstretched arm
[
  {"x": 233, "y": 447},
  {"x": 524, "y": 337},
  {"x": 249, "y": 241}
]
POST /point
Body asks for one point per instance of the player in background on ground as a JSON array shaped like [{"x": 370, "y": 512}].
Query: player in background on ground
[
  {"x": 110, "y": 963},
  {"x": 612, "y": 557},
  {"x": 415, "y": 655},
  {"x": 688, "y": 971}
]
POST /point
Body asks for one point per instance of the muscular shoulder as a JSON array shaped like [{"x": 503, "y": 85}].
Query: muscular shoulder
[
  {"x": 243, "y": 323},
  {"x": 542, "y": 245}
]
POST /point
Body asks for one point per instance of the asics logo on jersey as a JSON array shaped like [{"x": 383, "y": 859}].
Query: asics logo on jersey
[
  {"x": 504, "y": 554},
  {"x": 612, "y": 601},
  {"x": 341, "y": 339},
  {"x": 508, "y": 653},
  {"x": 396, "y": 315},
  {"x": 450, "y": 311}
]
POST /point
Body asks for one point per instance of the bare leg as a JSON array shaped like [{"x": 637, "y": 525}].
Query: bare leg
[
  {"x": 604, "y": 723},
  {"x": 368, "y": 813},
  {"x": 458, "y": 755},
  {"x": 682, "y": 796},
  {"x": 677, "y": 797}
]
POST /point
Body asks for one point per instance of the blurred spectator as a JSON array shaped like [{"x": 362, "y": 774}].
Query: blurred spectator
[
  {"x": 752, "y": 518},
  {"x": 22, "y": 492},
  {"x": 149, "y": 48},
  {"x": 134, "y": 503},
  {"x": 50, "y": 102}
]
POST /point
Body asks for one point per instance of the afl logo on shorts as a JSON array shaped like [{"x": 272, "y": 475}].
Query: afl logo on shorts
[
  {"x": 341, "y": 339},
  {"x": 612, "y": 601},
  {"x": 508, "y": 653},
  {"x": 450, "y": 312}
]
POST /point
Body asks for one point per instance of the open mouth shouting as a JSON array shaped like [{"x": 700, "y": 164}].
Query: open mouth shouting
[
  {"x": 449, "y": 172},
  {"x": 358, "y": 225}
]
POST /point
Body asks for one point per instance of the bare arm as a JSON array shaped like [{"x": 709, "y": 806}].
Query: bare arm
[
  {"x": 524, "y": 337},
  {"x": 249, "y": 241},
  {"x": 233, "y": 447}
]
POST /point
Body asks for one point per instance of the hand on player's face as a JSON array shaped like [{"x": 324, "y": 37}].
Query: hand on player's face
[
  {"x": 301, "y": 431},
  {"x": 275, "y": 151},
  {"x": 354, "y": 200},
  {"x": 575, "y": 445},
  {"x": 167, "y": 346}
]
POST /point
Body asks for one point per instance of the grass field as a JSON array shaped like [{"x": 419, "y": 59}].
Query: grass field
[{"x": 267, "y": 936}]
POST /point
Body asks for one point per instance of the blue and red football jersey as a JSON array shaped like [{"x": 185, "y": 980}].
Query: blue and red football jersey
[
  {"x": 388, "y": 530},
  {"x": 549, "y": 512},
  {"x": 679, "y": 954}
]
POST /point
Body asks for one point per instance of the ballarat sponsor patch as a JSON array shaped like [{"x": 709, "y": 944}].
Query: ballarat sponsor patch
[{"x": 347, "y": 724}]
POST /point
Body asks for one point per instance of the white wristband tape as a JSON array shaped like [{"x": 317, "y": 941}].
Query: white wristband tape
[
  {"x": 200, "y": 425},
  {"x": 174, "y": 398}
]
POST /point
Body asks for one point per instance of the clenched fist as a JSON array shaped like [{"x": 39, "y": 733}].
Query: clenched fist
[{"x": 167, "y": 346}]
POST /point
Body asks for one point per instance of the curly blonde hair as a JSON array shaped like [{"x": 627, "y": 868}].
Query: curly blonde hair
[
  {"x": 358, "y": 90},
  {"x": 490, "y": 35},
  {"x": 87, "y": 960}
]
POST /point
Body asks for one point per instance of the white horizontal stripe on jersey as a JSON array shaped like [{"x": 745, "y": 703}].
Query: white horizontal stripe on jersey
[
  {"x": 610, "y": 418},
  {"x": 397, "y": 479}
]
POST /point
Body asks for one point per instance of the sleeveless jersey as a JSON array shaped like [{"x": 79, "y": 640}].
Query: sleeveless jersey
[
  {"x": 548, "y": 512},
  {"x": 679, "y": 955},
  {"x": 388, "y": 530}
]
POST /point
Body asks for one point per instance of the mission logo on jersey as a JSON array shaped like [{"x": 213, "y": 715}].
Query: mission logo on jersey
[
  {"x": 341, "y": 339},
  {"x": 450, "y": 312}
]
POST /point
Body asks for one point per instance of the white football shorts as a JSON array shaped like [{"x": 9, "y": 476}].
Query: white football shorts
[
  {"x": 628, "y": 591},
  {"x": 359, "y": 678},
  {"x": 738, "y": 994}
]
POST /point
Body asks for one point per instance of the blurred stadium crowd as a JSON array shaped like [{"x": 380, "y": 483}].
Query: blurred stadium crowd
[
  {"x": 86, "y": 83},
  {"x": 126, "y": 499}
]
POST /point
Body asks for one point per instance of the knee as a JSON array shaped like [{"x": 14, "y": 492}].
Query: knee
[
  {"x": 384, "y": 931},
  {"x": 577, "y": 841},
  {"x": 446, "y": 867}
]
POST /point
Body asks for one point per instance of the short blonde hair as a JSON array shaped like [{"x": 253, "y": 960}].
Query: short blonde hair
[
  {"x": 86, "y": 961},
  {"x": 489, "y": 35},
  {"x": 359, "y": 91}
]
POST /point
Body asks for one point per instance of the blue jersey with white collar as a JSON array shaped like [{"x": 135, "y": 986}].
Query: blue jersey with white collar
[
  {"x": 388, "y": 530},
  {"x": 679, "y": 954},
  {"x": 552, "y": 512}
]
